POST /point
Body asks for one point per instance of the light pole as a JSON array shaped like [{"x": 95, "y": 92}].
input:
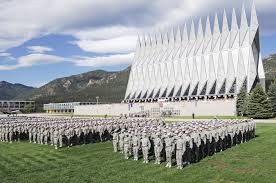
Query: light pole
[{"x": 97, "y": 98}]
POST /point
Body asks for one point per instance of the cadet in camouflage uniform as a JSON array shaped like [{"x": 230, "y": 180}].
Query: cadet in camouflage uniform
[
  {"x": 127, "y": 145},
  {"x": 41, "y": 137},
  {"x": 187, "y": 153},
  {"x": 45, "y": 136},
  {"x": 196, "y": 141},
  {"x": 180, "y": 150},
  {"x": 10, "y": 130},
  {"x": 115, "y": 141},
  {"x": 170, "y": 145},
  {"x": 197, "y": 138},
  {"x": 55, "y": 137},
  {"x": 1, "y": 133},
  {"x": 121, "y": 141},
  {"x": 34, "y": 134},
  {"x": 136, "y": 144},
  {"x": 158, "y": 146},
  {"x": 60, "y": 136},
  {"x": 52, "y": 135},
  {"x": 145, "y": 147}
]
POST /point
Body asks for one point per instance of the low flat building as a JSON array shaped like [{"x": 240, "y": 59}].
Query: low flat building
[
  {"x": 13, "y": 105},
  {"x": 203, "y": 107},
  {"x": 63, "y": 107}
]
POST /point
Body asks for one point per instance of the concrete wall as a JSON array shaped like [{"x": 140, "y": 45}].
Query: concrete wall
[{"x": 219, "y": 107}]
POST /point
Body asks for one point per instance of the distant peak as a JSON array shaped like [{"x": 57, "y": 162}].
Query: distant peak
[{"x": 4, "y": 83}]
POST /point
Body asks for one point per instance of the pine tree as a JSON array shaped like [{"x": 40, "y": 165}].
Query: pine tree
[
  {"x": 259, "y": 105},
  {"x": 241, "y": 104},
  {"x": 272, "y": 96},
  {"x": 245, "y": 105}
]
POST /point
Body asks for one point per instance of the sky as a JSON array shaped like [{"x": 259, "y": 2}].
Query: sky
[{"x": 41, "y": 40}]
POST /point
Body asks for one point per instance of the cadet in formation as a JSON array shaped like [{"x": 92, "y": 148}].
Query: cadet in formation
[
  {"x": 178, "y": 143},
  {"x": 182, "y": 143}
]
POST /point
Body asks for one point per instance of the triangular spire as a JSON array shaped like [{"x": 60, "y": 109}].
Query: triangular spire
[
  {"x": 254, "y": 23},
  {"x": 143, "y": 42},
  {"x": 148, "y": 41},
  {"x": 203, "y": 76},
  {"x": 185, "y": 37},
  {"x": 199, "y": 44},
  {"x": 194, "y": 80},
  {"x": 154, "y": 40},
  {"x": 216, "y": 35},
  {"x": 216, "y": 29},
  {"x": 200, "y": 30},
  {"x": 225, "y": 27},
  {"x": 240, "y": 72},
  {"x": 172, "y": 39},
  {"x": 244, "y": 23},
  {"x": 221, "y": 74},
  {"x": 244, "y": 35},
  {"x": 159, "y": 39},
  {"x": 234, "y": 38},
  {"x": 208, "y": 31},
  {"x": 186, "y": 77},
  {"x": 138, "y": 49},
  {"x": 165, "y": 38},
  {"x": 192, "y": 32},
  {"x": 261, "y": 73},
  {"x": 138, "y": 43},
  {"x": 207, "y": 36},
  {"x": 254, "y": 18},
  {"x": 178, "y": 36},
  {"x": 252, "y": 72},
  {"x": 230, "y": 73},
  {"x": 142, "y": 48},
  {"x": 224, "y": 33},
  {"x": 212, "y": 75},
  {"x": 234, "y": 24}
]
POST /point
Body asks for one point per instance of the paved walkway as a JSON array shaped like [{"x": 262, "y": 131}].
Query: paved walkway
[
  {"x": 266, "y": 121},
  {"x": 257, "y": 120}
]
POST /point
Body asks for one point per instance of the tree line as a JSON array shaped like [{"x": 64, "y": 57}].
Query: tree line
[{"x": 258, "y": 104}]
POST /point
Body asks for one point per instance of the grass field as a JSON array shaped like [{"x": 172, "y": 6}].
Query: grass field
[{"x": 254, "y": 161}]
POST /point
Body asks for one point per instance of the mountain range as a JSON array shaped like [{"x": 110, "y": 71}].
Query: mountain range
[
  {"x": 10, "y": 91},
  {"x": 270, "y": 68},
  {"x": 108, "y": 86}
]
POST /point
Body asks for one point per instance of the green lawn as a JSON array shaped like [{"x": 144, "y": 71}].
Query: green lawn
[{"x": 23, "y": 162}]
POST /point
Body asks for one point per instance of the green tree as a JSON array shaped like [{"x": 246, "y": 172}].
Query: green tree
[
  {"x": 259, "y": 105},
  {"x": 242, "y": 101},
  {"x": 28, "y": 108},
  {"x": 272, "y": 96}
]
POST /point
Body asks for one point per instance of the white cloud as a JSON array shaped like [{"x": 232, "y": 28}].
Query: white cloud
[
  {"x": 102, "y": 33},
  {"x": 32, "y": 60},
  {"x": 114, "y": 39},
  {"x": 4, "y": 54},
  {"x": 38, "y": 59},
  {"x": 39, "y": 49},
  {"x": 6, "y": 57},
  {"x": 124, "y": 44},
  {"x": 104, "y": 26},
  {"x": 101, "y": 61},
  {"x": 8, "y": 41},
  {"x": 26, "y": 19}
]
